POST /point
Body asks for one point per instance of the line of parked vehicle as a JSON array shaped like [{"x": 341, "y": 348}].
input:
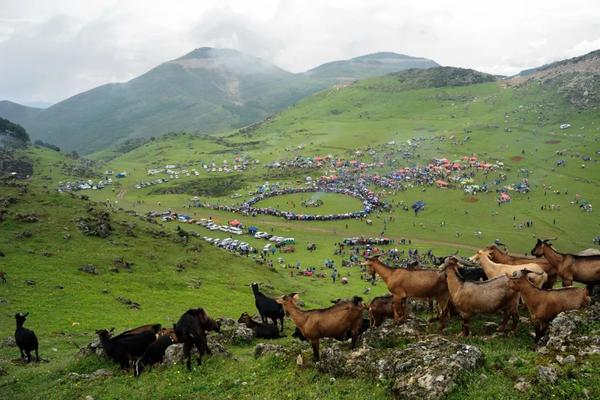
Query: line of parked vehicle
[{"x": 231, "y": 244}]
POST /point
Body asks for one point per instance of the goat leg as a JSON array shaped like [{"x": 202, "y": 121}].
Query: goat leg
[
  {"x": 515, "y": 321},
  {"x": 443, "y": 316},
  {"x": 187, "y": 353},
  {"x": 543, "y": 328},
  {"x": 315, "y": 346},
  {"x": 465, "y": 326},
  {"x": 37, "y": 356},
  {"x": 538, "y": 335},
  {"x": 505, "y": 317}
]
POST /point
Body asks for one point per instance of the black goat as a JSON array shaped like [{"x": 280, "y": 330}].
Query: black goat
[
  {"x": 267, "y": 307},
  {"x": 153, "y": 354},
  {"x": 261, "y": 330},
  {"x": 154, "y": 328},
  {"x": 26, "y": 339},
  {"x": 472, "y": 274},
  {"x": 191, "y": 331},
  {"x": 122, "y": 348}
]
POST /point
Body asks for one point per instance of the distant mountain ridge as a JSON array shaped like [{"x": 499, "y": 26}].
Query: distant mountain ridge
[
  {"x": 205, "y": 90},
  {"x": 369, "y": 65}
]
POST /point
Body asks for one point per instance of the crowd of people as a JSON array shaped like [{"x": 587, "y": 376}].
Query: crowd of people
[{"x": 369, "y": 199}]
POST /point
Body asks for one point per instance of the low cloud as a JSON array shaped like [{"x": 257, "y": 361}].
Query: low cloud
[{"x": 57, "y": 48}]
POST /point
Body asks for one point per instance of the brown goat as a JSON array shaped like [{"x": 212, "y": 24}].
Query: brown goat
[
  {"x": 417, "y": 283},
  {"x": 501, "y": 257},
  {"x": 487, "y": 297},
  {"x": 569, "y": 267},
  {"x": 380, "y": 308},
  {"x": 333, "y": 322},
  {"x": 544, "y": 305}
]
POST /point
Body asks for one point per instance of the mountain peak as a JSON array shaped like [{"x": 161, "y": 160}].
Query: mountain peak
[
  {"x": 383, "y": 55},
  {"x": 210, "y": 52}
]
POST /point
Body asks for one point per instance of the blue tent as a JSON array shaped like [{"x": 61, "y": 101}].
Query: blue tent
[
  {"x": 252, "y": 230},
  {"x": 418, "y": 206}
]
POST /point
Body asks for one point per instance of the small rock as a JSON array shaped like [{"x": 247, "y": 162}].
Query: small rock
[
  {"x": 522, "y": 386},
  {"x": 483, "y": 377},
  {"x": 9, "y": 342},
  {"x": 89, "y": 269},
  {"x": 102, "y": 372},
  {"x": 547, "y": 373},
  {"x": 490, "y": 325},
  {"x": 299, "y": 360},
  {"x": 266, "y": 348},
  {"x": 88, "y": 397},
  {"x": 568, "y": 359},
  {"x": 516, "y": 360}
]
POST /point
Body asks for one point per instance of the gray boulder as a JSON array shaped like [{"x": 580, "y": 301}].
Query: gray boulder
[
  {"x": 389, "y": 333},
  {"x": 547, "y": 373},
  {"x": 277, "y": 350},
  {"x": 426, "y": 369},
  {"x": 234, "y": 333},
  {"x": 569, "y": 333},
  {"x": 174, "y": 353}
]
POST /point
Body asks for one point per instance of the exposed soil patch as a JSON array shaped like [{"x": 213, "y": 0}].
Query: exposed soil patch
[
  {"x": 471, "y": 199},
  {"x": 517, "y": 158},
  {"x": 552, "y": 141}
]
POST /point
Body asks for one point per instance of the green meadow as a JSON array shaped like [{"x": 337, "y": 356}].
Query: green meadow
[{"x": 378, "y": 118}]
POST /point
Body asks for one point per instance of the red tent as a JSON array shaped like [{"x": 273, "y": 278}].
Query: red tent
[
  {"x": 504, "y": 197},
  {"x": 235, "y": 222},
  {"x": 441, "y": 184}
]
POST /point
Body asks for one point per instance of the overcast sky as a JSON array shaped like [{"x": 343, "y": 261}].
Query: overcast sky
[{"x": 53, "y": 49}]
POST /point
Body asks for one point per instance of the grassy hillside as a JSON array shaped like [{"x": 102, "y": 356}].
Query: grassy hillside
[
  {"x": 519, "y": 127},
  {"x": 381, "y": 122}
]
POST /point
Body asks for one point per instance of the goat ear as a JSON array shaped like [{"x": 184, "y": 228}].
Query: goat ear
[
  {"x": 26, "y": 314},
  {"x": 295, "y": 296},
  {"x": 112, "y": 330}
]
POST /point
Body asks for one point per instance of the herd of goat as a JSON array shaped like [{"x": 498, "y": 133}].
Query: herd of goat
[{"x": 457, "y": 285}]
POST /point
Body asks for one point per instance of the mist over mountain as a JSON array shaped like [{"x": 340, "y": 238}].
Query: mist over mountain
[{"x": 206, "y": 90}]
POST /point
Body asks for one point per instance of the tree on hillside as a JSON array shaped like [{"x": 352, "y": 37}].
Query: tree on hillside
[{"x": 14, "y": 130}]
